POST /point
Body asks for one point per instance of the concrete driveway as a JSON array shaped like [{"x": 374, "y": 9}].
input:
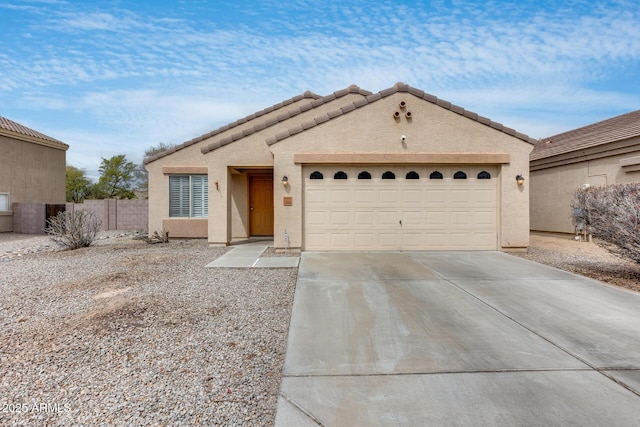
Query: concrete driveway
[{"x": 457, "y": 338}]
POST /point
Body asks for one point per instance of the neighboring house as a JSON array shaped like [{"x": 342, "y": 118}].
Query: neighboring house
[
  {"x": 399, "y": 169},
  {"x": 32, "y": 170},
  {"x": 603, "y": 153}
]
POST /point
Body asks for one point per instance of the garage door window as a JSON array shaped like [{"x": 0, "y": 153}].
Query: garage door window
[
  {"x": 364, "y": 175},
  {"x": 460, "y": 175},
  {"x": 316, "y": 175},
  {"x": 340, "y": 175},
  {"x": 435, "y": 175},
  {"x": 484, "y": 175},
  {"x": 388, "y": 175},
  {"x": 413, "y": 175}
]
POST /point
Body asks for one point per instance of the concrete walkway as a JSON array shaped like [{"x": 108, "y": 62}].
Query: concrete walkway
[
  {"x": 247, "y": 255},
  {"x": 457, "y": 338}
]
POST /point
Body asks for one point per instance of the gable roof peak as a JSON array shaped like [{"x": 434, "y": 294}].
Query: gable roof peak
[{"x": 402, "y": 87}]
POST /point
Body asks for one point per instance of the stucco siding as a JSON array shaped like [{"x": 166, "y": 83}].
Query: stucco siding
[
  {"x": 552, "y": 189},
  {"x": 30, "y": 173},
  {"x": 431, "y": 129},
  {"x": 250, "y": 152}
]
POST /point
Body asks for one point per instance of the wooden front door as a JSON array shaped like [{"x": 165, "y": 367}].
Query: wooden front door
[{"x": 261, "y": 205}]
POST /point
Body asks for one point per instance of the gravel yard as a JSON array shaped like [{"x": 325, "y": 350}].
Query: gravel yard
[
  {"x": 126, "y": 333},
  {"x": 586, "y": 259}
]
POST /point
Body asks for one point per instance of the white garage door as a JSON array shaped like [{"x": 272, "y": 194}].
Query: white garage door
[{"x": 400, "y": 207}]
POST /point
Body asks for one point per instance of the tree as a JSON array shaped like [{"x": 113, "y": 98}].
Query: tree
[
  {"x": 142, "y": 177},
  {"x": 78, "y": 184},
  {"x": 117, "y": 177},
  {"x": 612, "y": 215}
]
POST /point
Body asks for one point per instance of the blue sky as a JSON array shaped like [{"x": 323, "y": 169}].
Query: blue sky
[{"x": 117, "y": 77}]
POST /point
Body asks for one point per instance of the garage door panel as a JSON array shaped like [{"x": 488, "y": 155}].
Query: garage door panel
[
  {"x": 388, "y": 218},
  {"x": 341, "y": 240},
  {"x": 412, "y": 197},
  {"x": 364, "y": 240},
  {"x": 460, "y": 218},
  {"x": 367, "y": 218},
  {"x": 486, "y": 218},
  {"x": 316, "y": 218},
  {"x": 340, "y": 218},
  {"x": 316, "y": 196},
  {"x": 436, "y": 196},
  {"x": 410, "y": 214},
  {"x": 484, "y": 196},
  {"x": 389, "y": 241},
  {"x": 367, "y": 196},
  {"x": 388, "y": 196},
  {"x": 410, "y": 218},
  {"x": 437, "y": 217},
  {"x": 341, "y": 196}
]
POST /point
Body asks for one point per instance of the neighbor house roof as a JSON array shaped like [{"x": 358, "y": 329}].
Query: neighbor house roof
[
  {"x": 615, "y": 129},
  {"x": 17, "y": 131},
  {"x": 287, "y": 115},
  {"x": 237, "y": 123},
  {"x": 398, "y": 87}
]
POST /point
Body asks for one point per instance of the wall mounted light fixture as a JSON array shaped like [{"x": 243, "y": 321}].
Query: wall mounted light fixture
[
  {"x": 520, "y": 179},
  {"x": 285, "y": 181}
]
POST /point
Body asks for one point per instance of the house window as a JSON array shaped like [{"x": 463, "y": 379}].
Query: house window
[
  {"x": 484, "y": 175},
  {"x": 460, "y": 175},
  {"x": 435, "y": 175},
  {"x": 189, "y": 196},
  {"x": 413, "y": 175},
  {"x": 388, "y": 175},
  {"x": 340, "y": 175},
  {"x": 316, "y": 175},
  {"x": 4, "y": 202},
  {"x": 364, "y": 175}
]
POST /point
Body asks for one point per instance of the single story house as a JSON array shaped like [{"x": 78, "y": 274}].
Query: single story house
[
  {"x": 32, "y": 171},
  {"x": 354, "y": 170},
  {"x": 603, "y": 153}
]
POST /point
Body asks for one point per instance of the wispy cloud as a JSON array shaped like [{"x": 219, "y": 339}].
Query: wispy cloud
[{"x": 143, "y": 73}]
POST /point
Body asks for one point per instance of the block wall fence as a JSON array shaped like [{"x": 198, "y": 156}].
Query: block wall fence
[{"x": 30, "y": 218}]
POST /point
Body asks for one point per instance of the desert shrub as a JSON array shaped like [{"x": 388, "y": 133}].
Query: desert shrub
[
  {"x": 159, "y": 237},
  {"x": 73, "y": 230},
  {"x": 612, "y": 215}
]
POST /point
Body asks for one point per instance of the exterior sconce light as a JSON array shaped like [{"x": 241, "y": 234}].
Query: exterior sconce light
[
  {"x": 520, "y": 179},
  {"x": 285, "y": 181}
]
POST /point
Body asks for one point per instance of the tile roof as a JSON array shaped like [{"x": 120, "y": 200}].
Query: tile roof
[
  {"x": 237, "y": 123},
  {"x": 21, "y": 132},
  {"x": 289, "y": 114},
  {"x": 398, "y": 87},
  {"x": 615, "y": 129}
]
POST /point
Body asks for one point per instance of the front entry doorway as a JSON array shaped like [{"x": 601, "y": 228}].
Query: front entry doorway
[{"x": 261, "y": 205}]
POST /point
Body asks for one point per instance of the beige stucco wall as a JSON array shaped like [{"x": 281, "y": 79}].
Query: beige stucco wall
[
  {"x": 432, "y": 129},
  {"x": 552, "y": 189},
  {"x": 190, "y": 156},
  {"x": 30, "y": 173},
  {"x": 228, "y": 204}
]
